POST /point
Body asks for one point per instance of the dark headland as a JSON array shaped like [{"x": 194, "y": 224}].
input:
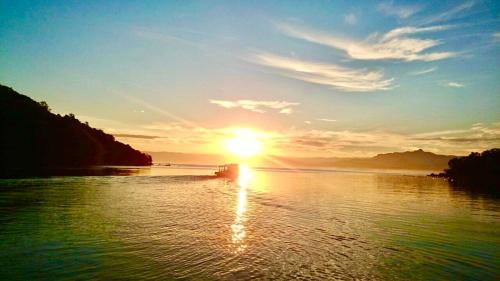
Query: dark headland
[
  {"x": 477, "y": 170},
  {"x": 34, "y": 138}
]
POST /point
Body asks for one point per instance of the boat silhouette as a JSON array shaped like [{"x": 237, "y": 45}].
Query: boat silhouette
[{"x": 228, "y": 171}]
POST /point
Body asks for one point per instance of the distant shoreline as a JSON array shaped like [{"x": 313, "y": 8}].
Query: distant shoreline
[
  {"x": 409, "y": 160},
  {"x": 300, "y": 168},
  {"x": 103, "y": 170}
]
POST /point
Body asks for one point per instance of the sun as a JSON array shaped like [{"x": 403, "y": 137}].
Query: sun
[{"x": 246, "y": 143}]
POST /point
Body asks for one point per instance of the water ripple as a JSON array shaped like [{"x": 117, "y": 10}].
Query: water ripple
[{"x": 337, "y": 226}]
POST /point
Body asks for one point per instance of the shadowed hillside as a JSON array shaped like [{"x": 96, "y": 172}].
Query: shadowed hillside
[{"x": 33, "y": 137}]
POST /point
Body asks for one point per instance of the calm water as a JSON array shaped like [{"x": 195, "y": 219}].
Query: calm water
[{"x": 161, "y": 223}]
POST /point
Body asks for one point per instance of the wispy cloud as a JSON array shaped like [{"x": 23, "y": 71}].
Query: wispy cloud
[
  {"x": 345, "y": 79},
  {"x": 455, "y": 85},
  {"x": 286, "y": 111},
  {"x": 362, "y": 143},
  {"x": 153, "y": 35},
  {"x": 478, "y": 133},
  {"x": 496, "y": 36},
  {"x": 283, "y": 107},
  {"x": 424, "y": 71},
  {"x": 449, "y": 14},
  {"x": 407, "y": 30},
  {"x": 402, "y": 12},
  {"x": 351, "y": 19},
  {"x": 309, "y": 141},
  {"x": 326, "y": 120},
  {"x": 393, "y": 45}
]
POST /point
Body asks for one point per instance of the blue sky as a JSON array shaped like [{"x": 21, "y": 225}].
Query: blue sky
[{"x": 315, "y": 77}]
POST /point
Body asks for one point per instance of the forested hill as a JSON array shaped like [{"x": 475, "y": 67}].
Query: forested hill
[{"x": 33, "y": 137}]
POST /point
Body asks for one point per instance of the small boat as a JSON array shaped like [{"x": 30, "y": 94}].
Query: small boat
[
  {"x": 228, "y": 171},
  {"x": 162, "y": 164}
]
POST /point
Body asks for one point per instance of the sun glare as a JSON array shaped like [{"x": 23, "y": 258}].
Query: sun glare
[{"x": 245, "y": 144}]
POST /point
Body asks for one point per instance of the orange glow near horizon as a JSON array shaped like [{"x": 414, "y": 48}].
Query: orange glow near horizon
[{"x": 245, "y": 144}]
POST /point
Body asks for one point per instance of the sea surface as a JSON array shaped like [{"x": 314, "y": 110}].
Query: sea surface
[{"x": 178, "y": 222}]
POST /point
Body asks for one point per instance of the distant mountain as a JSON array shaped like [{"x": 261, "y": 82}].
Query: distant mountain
[
  {"x": 411, "y": 160},
  {"x": 33, "y": 137}
]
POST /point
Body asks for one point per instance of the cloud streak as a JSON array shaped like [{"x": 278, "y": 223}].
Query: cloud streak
[
  {"x": 425, "y": 71},
  {"x": 334, "y": 76},
  {"x": 175, "y": 136},
  {"x": 350, "y": 19},
  {"x": 282, "y": 107},
  {"x": 402, "y": 12},
  {"x": 363, "y": 143},
  {"x": 449, "y": 14},
  {"x": 496, "y": 36},
  {"x": 455, "y": 85},
  {"x": 397, "y": 44}
]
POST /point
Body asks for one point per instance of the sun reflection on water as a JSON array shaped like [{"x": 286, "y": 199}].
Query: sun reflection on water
[{"x": 238, "y": 227}]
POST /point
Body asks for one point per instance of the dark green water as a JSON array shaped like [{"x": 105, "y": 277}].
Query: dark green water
[{"x": 163, "y": 224}]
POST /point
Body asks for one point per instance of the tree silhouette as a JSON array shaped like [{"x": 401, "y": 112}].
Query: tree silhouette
[
  {"x": 32, "y": 136},
  {"x": 45, "y": 106},
  {"x": 477, "y": 169}
]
